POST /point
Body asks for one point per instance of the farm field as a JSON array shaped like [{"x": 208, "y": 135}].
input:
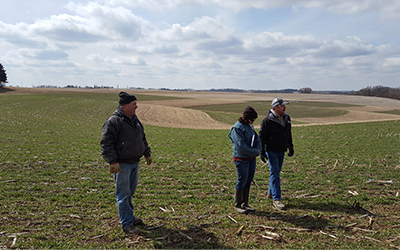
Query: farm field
[
  {"x": 171, "y": 110},
  {"x": 341, "y": 187}
]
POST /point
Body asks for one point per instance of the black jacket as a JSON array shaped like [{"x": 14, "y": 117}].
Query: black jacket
[
  {"x": 274, "y": 137},
  {"x": 123, "y": 139}
]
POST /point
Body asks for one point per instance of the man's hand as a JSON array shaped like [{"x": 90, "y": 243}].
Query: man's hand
[
  {"x": 149, "y": 160},
  {"x": 263, "y": 156},
  {"x": 291, "y": 152},
  {"x": 115, "y": 168}
]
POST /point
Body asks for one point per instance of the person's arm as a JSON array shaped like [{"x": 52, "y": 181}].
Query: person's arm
[
  {"x": 147, "y": 151},
  {"x": 238, "y": 138},
  {"x": 108, "y": 140},
  {"x": 263, "y": 138},
  {"x": 290, "y": 140}
]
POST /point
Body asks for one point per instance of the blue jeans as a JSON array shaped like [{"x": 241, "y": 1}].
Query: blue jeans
[
  {"x": 125, "y": 184},
  {"x": 275, "y": 161},
  {"x": 245, "y": 171}
]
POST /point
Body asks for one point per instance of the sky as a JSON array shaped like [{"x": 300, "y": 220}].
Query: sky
[{"x": 337, "y": 45}]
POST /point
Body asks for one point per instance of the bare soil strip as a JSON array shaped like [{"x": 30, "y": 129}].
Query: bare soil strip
[{"x": 165, "y": 116}]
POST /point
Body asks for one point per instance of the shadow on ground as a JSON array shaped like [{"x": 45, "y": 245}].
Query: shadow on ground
[
  {"x": 312, "y": 222},
  {"x": 4, "y": 90},
  {"x": 193, "y": 237},
  {"x": 162, "y": 237}
]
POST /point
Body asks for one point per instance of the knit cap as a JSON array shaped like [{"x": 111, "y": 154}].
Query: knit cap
[
  {"x": 249, "y": 113},
  {"x": 125, "y": 98}
]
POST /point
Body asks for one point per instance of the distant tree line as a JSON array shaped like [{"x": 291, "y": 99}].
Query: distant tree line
[
  {"x": 73, "y": 87},
  {"x": 380, "y": 91},
  {"x": 89, "y": 87},
  {"x": 253, "y": 91}
]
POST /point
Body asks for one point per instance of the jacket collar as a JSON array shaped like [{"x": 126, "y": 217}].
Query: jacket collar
[
  {"x": 274, "y": 117},
  {"x": 119, "y": 112}
]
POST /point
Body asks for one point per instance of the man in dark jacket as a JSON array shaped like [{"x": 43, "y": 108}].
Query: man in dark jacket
[
  {"x": 276, "y": 137},
  {"x": 123, "y": 143}
]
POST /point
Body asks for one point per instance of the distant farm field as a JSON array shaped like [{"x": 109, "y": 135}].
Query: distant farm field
[{"x": 341, "y": 187}]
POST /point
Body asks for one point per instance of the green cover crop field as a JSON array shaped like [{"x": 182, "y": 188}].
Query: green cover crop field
[{"x": 341, "y": 187}]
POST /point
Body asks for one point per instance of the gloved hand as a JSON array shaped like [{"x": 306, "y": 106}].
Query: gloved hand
[
  {"x": 263, "y": 156},
  {"x": 149, "y": 160},
  {"x": 291, "y": 152},
  {"x": 114, "y": 168}
]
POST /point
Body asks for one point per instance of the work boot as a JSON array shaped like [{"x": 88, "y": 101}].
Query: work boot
[
  {"x": 239, "y": 202},
  {"x": 131, "y": 230},
  {"x": 245, "y": 205},
  {"x": 137, "y": 221}
]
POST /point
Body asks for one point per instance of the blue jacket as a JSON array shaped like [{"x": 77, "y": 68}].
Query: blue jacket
[{"x": 246, "y": 143}]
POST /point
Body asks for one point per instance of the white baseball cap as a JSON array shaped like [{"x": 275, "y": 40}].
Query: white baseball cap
[{"x": 279, "y": 101}]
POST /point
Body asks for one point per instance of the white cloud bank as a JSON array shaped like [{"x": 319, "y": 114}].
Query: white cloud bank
[{"x": 196, "y": 44}]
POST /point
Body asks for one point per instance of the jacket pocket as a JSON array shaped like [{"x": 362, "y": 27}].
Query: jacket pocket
[{"x": 131, "y": 150}]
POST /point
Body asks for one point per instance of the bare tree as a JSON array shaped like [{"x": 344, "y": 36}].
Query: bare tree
[{"x": 380, "y": 91}]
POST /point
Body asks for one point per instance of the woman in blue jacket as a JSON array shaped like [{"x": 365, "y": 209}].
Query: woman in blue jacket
[{"x": 246, "y": 147}]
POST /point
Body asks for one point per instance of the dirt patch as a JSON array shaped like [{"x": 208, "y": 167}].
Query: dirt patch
[
  {"x": 354, "y": 115},
  {"x": 167, "y": 116}
]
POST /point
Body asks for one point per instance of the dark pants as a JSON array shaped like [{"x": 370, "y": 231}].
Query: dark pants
[{"x": 245, "y": 172}]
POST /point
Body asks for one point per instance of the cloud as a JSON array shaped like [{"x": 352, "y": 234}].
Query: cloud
[
  {"x": 50, "y": 66},
  {"x": 128, "y": 61},
  {"x": 167, "y": 49},
  {"x": 94, "y": 58},
  {"x": 207, "y": 43},
  {"x": 392, "y": 64},
  {"x": 92, "y": 23},
  {"x": 267, "y": 45},
  {"x": 350, "y": 47},
  {"x": 358, "y": 61},
  {"x": 114, "y": 22},
  {"x": 387, "y": 9},
  {"x": 276, "y": 44},
  {"x": 67, "y": 28},
  {"x": 38, "y": 55},
  {"x": 18, "y": 35},
  {"x": 124, "y": 60},
  {"x": 122, "y": 47},
  {"x": 229, "y": 46},
  {"x": 201, "y": 28},
  {"x": 49, "y": 55}
]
